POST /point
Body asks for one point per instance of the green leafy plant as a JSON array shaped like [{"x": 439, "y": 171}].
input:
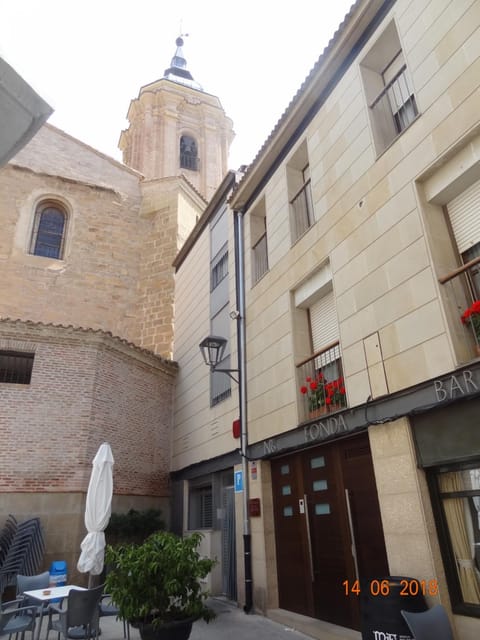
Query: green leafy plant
[
  {"x": 133, "y": 526},
  {"x": 158, "y": 582}
]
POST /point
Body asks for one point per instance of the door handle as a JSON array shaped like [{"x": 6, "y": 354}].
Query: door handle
[
  {"x": 352, "y": 532},
  {"x": 309, "y": 538}
]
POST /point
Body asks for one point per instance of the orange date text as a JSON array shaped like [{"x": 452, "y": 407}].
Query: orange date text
[{"x": 383, "y": 588}]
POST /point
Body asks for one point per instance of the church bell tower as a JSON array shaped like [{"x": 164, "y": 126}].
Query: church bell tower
[{"x": 176, "y": 128}]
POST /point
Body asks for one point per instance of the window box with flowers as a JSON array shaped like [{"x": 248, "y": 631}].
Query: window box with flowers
[
  {"x": 314, "y": 392},
  {"x": 472, "y": 317},
  {"x": 323, "y": 396},
  {"x": 335, "y": 397}
]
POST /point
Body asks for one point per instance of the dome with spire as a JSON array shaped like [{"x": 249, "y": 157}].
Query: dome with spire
[{"x": 177, "y": 71}]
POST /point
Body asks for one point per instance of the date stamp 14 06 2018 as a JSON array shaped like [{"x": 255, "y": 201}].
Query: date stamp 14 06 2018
[{"x": 382, "y": 588}]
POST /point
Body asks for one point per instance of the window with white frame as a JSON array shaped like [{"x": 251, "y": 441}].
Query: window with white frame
[
  {"x": 48, "y": 236},
  {"x": 300, "y": 193},
  {"x": 388, "y": 89}
]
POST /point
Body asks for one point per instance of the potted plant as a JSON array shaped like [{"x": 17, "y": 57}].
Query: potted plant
[
  {"x": 314, "y": 390},
  {"x": 472, "y": 317},
  {"x": 156, "y": 584}
]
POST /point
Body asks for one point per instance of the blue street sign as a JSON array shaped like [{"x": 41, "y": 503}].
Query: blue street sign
[{"x": 238, "y": 481}]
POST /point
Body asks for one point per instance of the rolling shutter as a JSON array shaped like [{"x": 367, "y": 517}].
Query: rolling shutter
[
  {"x": 323, "y": 320},
  {"x": 464, "y": 212}
]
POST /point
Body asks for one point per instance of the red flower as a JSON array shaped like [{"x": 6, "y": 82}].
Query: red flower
[
  {"x": 303, "y": 390},
  {"x": 309, "y": 379},
  {"x": 320, "y": 376},
  {"x": 313, "y": 385},
  {"x": 328, "y": 400},
  {"x": 342, "y": 390}
]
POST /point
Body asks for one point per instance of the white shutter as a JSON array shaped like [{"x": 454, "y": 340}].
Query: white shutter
[
  {"x": 464, "y": 212},
  {"x": 323, "y": 320}
]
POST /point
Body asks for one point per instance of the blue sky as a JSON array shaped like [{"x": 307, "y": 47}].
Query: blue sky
[{"x": 88, "y": 59}]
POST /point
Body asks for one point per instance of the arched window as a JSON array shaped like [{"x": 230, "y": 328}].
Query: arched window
[
  {"x": 49, "y": 230},
  {"x": 188, "y": 153}
]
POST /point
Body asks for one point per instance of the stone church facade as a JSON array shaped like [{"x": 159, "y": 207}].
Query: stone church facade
[{"x": 87, "y": 303}]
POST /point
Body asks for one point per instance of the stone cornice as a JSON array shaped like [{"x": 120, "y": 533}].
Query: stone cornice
[{"x": 30, "y": 331}]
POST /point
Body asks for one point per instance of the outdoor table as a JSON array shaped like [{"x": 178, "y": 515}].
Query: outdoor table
[{"x": 44, "y": 598}]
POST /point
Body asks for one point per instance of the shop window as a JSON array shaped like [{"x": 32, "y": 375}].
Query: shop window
[
  {"x": 49, "y": 231},
  {"x": 458, "y": 493},
  {"x": 388, "y": 88},
  {"x": 16, "y": 367},
  {"x": 300, "y": 193},
  {"x": 188, "y": 153},
  {"x": 200, "y": 506}
]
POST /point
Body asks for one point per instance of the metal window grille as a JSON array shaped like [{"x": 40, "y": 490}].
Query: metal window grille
[
  {"x": 219, "y": 270},
  {"x": 201, "y": 507},
  {"x": 16, "y": 367},
  {"x": 395, "y": 105},
  {"x": 260, "y": 258},
  {"x": 301, "y": 208}
]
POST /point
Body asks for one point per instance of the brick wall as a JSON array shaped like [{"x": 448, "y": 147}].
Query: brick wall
[{"x": 86, "y": 388}]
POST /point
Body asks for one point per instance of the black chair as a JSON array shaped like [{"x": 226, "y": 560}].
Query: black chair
[
  {"x": 15, "y": 619},
  {"x": 108, "y": 608},
  {"x": 82, "y": 610},
  {"x": 432, "y": 624}
]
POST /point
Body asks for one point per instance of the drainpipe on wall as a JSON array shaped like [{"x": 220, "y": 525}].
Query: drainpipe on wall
[{"x": 242, "y": 391}]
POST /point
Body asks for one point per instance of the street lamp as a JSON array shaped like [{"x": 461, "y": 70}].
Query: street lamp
[{"x": 212, "y": 349}]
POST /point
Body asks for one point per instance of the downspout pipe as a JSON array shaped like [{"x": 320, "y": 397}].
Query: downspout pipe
[{"x": 242, "y": 366}]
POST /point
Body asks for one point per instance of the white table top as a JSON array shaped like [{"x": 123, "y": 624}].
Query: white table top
[{"x": 54, "y": 592}]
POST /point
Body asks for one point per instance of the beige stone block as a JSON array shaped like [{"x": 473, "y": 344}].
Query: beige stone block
[
  {"x": 409, "y": 555},
  {"x": 358, "y": 388},
  {"x": 378, "y": 381},
  {"x": 408, "y": 263},
  {"x": 402, "y": 514},
  {"x": 353, "y": 358},
  {"x": 395, "y": 474}
]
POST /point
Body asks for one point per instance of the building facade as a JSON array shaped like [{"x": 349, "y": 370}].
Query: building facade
[
  {"x": 87, "y": 302},
  {"x": 360, "y": 231}
]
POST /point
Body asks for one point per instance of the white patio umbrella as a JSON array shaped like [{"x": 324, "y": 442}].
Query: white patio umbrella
[{"x": 97, "y": 512}]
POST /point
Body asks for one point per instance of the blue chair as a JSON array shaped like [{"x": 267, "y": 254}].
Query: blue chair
[
  {"x": 432, "y": 624},
  {"x": 15, "y": 618}
]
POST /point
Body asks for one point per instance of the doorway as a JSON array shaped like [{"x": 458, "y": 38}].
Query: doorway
[{"x": 328, "y": 528}]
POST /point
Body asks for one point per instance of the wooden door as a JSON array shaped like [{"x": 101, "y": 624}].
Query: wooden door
[{"x": 328, "y": 528}]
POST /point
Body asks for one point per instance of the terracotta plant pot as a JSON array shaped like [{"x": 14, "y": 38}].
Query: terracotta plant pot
[{"x": 315, "y": 413}]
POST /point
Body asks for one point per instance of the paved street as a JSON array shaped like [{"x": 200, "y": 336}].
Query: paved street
[{"x": 231, "y": 623}]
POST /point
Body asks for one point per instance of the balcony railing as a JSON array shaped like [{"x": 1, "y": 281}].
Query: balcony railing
[
  {"x": 321, "y": 388},
  {"x": 461, "y": 294},
  {"x": 260, "y": 259},
  {"x": 301, "y": 211}
]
